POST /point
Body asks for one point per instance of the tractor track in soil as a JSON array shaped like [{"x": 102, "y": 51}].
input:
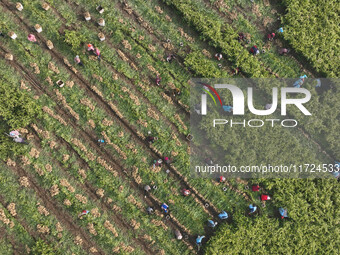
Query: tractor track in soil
[
  {"x": 81, "y": 81},
  {"x": 53, "y": 207},
  {"x": 80, "y": 10},
  {"x": 151, "y": 200},
  {"x": 91, "y": 193},
  {"x": 304, "y": 65}
]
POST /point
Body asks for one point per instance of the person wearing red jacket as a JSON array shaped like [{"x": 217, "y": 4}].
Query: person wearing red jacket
[
  {"x": 265, "y": 197},
  {"x": 186, "y": 192},
  {"x": 271, "y": 36},
  {"x": 255, "y": 188}
]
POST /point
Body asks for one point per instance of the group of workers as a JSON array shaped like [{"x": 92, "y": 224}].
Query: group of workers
[
  {"x": 95, "y": 51},
  {"x": 264, "y": 197},
  {"x": 17, "y": 137},
  {"x": 255, "y": 51}
]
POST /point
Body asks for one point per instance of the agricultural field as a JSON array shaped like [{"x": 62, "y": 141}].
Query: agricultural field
[{"x": 76, "y": 183}]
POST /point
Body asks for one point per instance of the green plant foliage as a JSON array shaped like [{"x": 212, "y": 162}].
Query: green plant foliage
[
  {"x": 202, "y": 66},
  {"x": 312, "y": 226},
  {"x": 312, "y": 27},
  {"x": 42, "y": 248},
  {"x": 220, "y": 36},
  {"x": 17, "y": 108},
  {"x": 74, "y": 39}
]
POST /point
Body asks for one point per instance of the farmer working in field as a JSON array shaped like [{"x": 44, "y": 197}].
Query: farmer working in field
[
  {"x": 223, "y": 215},
  {"x": 186, "y": 192},
  {"x": 265, "y": 197},
  {"x": 19, "y": 140},
  {"x": 300, "y": 81},
  {"x": 255, "y": 188},
  {"x": 176, "y": 92},
  {"x": 151, "y": 139},
  {"x": 283, "y": 51},
  {"x": 165, "y": 208},
  {"x": 254, "y": 50},
  {"x": 218, "y": 56},
  {"x": 157, "y": 163},
  {"x": 84, "y": 212},
  {"x": 150, "y": 210},
  {"x": 283, "y": 212},
  {"x": 147, "y": 188},
  {"x": 209, "y": 161},
  {"x": 158, "y": 80},
  {"x": 241, "y": 37},
  {"x": 227, "y": 108},
  {"x": 170, "y": 57},
  {"x": 271, "y": 36},
  {"x": 167, "y": 160},
  {"x": 221, "y": 179},
  {"x": 199, "y": 240},
  {"x": 77, "y": 60},
  {"x": 252, "y": 208},
  {"x": 90, "y": 47},
  {"x": 32, "y": 38},
  {"x": 16, "y": 137},
  {"x": 212, "y": 223},
  {"x": 97, "y": 53}
]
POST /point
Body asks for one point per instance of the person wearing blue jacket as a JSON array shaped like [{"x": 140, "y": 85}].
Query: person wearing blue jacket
[
  {"x": 165, "y": 208},
  {"x": 252, "y": 208},
  {"x": 199, "y": 240},
  {"x": 227, "y": 108},
  {"x": 283, "y": 212},
  {"x": 212, "y": 223},
  {"x": 223, "y": 215}
]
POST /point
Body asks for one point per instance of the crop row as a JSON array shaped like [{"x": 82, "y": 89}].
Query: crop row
[
  {"x": 283, "y": 66},
  {"x": 28, "y": 209},
  {"x": 318, "y": 105},
  {"x": 202, "y": 184},
  {"x": 312, "y": 30},
  {"x": 60, "y": 119},
  {"x": 96, "y": 123},
  {"x": 184, "y": 214}
]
